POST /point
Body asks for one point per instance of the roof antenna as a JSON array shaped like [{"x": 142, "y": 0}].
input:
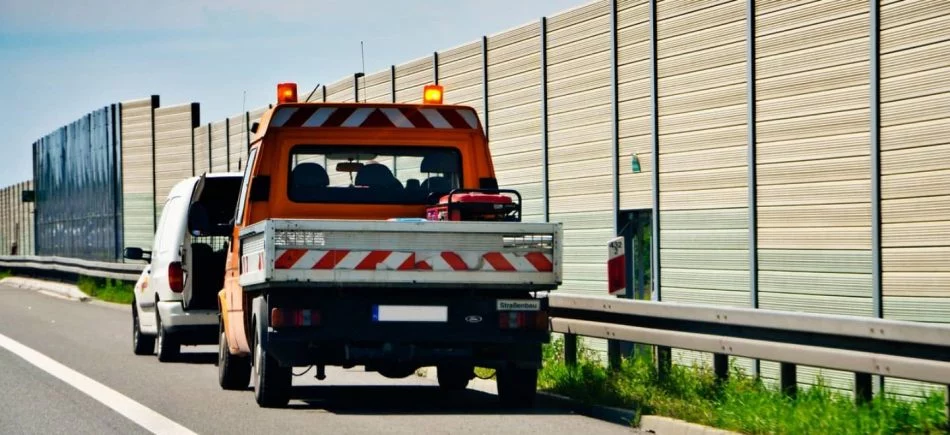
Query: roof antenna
[
  {"x": 311, "y": 93},
  {"x": 363, "y": 62}
]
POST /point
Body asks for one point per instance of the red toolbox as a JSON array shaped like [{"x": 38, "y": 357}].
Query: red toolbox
[{"x": 477, "y": 205}]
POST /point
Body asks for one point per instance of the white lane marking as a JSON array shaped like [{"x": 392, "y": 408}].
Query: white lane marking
[{"x": 138, "y": 413}]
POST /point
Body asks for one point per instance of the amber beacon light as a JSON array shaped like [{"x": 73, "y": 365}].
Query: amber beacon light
[
  {"x": 432, "y": 94},
  {"x": 286, "y": 93}
]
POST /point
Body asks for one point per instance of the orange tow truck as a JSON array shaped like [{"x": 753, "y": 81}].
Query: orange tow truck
[{"x": 376, "y": 235}]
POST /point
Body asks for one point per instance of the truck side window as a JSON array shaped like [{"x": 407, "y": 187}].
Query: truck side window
[{"x": 245, "y": 183}]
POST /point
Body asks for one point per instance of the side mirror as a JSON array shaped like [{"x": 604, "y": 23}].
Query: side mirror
[
  {"x": 260, "y": 188},
  {"x": 137, "y": 254},
  {"x": 255, "y": 126},
  {"x": 198, "y": 221}
]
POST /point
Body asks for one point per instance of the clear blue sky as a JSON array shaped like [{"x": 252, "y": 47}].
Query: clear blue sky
[{"x": 60, "y": 59}]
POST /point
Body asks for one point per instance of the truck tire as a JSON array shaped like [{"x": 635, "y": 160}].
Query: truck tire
[
  {"x": 167, "y": 346},
  {"x": 454, "y": 378},
  {"x": 234, "y": 371},
  {"x": 517, "y": 388},
  {"x": 141, "y": 344},
  {"x": 271, "y": 381}
]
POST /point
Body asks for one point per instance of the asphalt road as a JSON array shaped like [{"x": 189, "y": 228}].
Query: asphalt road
[{"x": 94, "y": 340}]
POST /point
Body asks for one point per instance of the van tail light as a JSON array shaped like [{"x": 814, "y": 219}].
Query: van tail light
[
  {"x": 290, "y": 317},
  {"x": 533, "y": 320},
  {"x": 176, "y": 277}
]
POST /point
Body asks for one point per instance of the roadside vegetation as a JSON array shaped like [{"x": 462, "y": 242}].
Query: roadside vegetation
[
  {"x": 108, "y": 290},
  {"x": 5, "y": 274},
  {"x": 741, "y": 404}
]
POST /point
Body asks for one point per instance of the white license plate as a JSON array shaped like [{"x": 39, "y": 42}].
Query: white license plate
[{"x": 410, "y": 313}]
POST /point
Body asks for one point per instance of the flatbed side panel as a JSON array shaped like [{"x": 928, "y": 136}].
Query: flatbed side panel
[{"x": 377, "y": 253}]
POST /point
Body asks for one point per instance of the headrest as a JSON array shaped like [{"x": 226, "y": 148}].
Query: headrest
[
  {"x": 439, "y": 163},
  {"x": 310, "y": 175},
  {"x": 376, "y": 175}
]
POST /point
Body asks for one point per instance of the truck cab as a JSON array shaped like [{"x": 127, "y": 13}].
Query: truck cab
[{"x": 335, "y": 259}]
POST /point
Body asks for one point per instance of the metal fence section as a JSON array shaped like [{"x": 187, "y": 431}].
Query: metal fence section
[{"x": 77, "y": 213}]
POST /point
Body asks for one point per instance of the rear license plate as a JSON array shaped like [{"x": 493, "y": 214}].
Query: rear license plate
[{"x": 410, "y": 313}]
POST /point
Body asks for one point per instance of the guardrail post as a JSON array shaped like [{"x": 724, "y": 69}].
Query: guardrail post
[
  {"x": 946, "y": 403},
  {"x": 721, "y": 366},
  {"x": 863, "y": 392},
  {"x": 664, "y": 361},
  {"x": 570, "y": 349},
  {"x": 788, "y": 378}
]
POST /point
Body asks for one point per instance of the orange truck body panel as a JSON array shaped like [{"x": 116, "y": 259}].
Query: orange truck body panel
[{"x": 273, "y": 150}]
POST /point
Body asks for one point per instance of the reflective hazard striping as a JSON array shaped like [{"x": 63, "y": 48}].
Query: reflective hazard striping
[
  {"x": 375, "y": 117},
  {"x": 308, "y": 259}
]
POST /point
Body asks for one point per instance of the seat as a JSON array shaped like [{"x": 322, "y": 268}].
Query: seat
[
  {"x": 375, "y": 175},
  {"x": 309, "y": 176},
  {"x": 306, "y": 178}
]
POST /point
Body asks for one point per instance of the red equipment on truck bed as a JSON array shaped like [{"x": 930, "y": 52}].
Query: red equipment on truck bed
[{"x": 477, "y": 205}]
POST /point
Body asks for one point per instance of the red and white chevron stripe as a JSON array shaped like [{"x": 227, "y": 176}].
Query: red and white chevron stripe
[
  {"x": 413, "y": 261},
  {"x": 379, "y": 117}
]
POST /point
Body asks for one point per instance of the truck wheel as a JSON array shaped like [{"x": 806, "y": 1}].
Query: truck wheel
[
  {"x": 167, "y": 346},
  {"x": 141, "y": 344},
  {"x": 234, "y": 371},
  {"x": 517, "y": 388},
  {"x": 454, "y": 378},
  {"x": 271, "y": 381}
]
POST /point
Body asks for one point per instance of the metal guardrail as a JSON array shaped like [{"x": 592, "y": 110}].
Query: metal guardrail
[
  {"x": 42, "y": 266},
  {"x": 866, "y": 346}
]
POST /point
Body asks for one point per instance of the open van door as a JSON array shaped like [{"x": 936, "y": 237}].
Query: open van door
[{"x": 210, "y": 216}]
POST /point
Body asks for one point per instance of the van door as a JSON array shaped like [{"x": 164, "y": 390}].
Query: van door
[{"x": 213, "y": 204}]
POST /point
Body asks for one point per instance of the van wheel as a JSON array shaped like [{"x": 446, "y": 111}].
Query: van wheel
[
  {"x": 517, "y": 388},
  {"x": 454, "y": 378},
  {"x": 271, "y": 381},
  {"x": 234, "y": 371},
  {"x": 141, "y": 344},
  {"x": 168, "y": 348}
]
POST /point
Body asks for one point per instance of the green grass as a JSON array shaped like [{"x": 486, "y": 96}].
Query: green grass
[
  {"x": 108, "y": 290},
  {"x": 5, "y": 274},
  {"x": 741, "y": 404}
]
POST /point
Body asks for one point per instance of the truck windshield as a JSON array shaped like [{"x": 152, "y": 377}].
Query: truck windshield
[{"x": 372, "y": 174}]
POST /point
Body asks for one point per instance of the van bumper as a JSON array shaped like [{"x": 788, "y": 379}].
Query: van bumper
[{"x": 189, "y": 327}]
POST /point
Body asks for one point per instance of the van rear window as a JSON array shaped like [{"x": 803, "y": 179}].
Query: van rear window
[{"x": 372, "y": 174}]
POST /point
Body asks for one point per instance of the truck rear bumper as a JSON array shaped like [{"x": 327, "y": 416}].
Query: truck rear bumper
[{"x": 355, "y": 330}]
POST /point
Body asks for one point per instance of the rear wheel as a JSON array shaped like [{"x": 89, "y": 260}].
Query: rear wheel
[
  {"x": 167, "y": 345},
  {"x": 517, "y": 387},
  {"x": 454, "y": 378},
  {"x": 141, "y": 344},
  {"x": 271, "y": 381},
  {"x": 234, "y": 371}
]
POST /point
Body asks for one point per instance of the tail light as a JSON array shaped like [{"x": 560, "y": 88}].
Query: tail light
[
  {"x": 176, "y": 277},
  {"x": 290, "y": 317},
  {"x": 534, "y": 320}
]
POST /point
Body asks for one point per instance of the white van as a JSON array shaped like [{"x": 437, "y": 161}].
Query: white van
[{"x": 176, "y": 296}]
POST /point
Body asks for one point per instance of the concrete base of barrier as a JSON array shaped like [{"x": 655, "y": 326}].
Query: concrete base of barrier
[{"x": 60, "y": 289}]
